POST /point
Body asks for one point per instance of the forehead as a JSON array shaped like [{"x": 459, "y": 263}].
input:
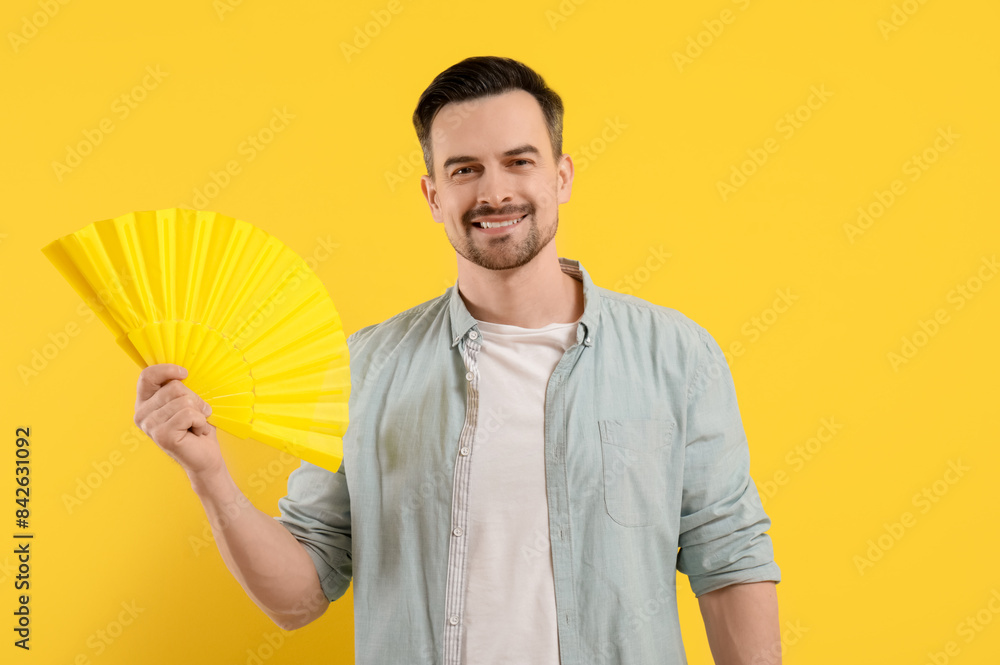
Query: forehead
[{"x": 488, "y": 124}]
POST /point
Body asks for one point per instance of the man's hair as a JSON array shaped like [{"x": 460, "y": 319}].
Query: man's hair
[{"x": 485, "y": 76}]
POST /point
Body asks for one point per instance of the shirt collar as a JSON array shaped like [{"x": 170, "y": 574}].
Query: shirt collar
[{"x": 462, "y": 321}]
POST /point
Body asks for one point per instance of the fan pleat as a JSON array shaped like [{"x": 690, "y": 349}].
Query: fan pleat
[
  {"x": 165, "y": 254},
  {"x": 251, "y": 282},
  {"x": 318, "y": 349},
  {"x": 242, "y": 326},
  {"x": 134, "y": 282},
  {"x": 317, "y": 379},
  {"x": 57, "y": 252},
  {"x": 88, "y": 253},
  {"x": 280, "y": 275},
  {"x": 320, "y": 449},
  {"x": 252, "y": 323},
  {"x": 227, "y": 275},
  {"x": 310, "y": 317},
  {"x": 197, "y": 265}
]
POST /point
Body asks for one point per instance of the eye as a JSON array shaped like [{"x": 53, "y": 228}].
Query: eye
[
  {"x": 524, "y": 161},
  {"x": 459, "y": 171}
]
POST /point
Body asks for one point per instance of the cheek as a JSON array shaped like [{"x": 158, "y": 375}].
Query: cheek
[
  {"x": 458, "y": 203},
  {"x": 544, "y": 197},
  {"x": 454, "y": 210}
]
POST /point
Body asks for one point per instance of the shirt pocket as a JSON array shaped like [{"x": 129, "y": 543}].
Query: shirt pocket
[{"x": 636, "y": 455}]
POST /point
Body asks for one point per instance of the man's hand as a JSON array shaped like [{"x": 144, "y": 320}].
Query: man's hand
[
  {"x": 272, "y": 567},
  {"x": 173, "y": 416}
]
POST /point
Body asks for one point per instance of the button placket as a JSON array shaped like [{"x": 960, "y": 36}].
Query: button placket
[{"x": 458, "y": 550}]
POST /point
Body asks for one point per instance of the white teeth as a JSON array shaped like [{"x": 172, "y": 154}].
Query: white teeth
[{"x": 493, "y": 225}]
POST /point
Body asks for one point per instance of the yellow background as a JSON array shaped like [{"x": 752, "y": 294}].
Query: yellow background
[{"x": 335, "y": 175}]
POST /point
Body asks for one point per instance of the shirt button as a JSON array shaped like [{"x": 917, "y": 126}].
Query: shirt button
[
  {"x": 468, "y": 376},
  {"x": 587, "y": 342},
  {"x": 457, "y": 531},
  {"x": 473, "y": 335},
  {"x": 453, "y": 620},
  {"x": 464, "y": 451}
]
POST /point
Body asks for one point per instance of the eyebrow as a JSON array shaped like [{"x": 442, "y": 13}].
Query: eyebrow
[{"x": 519, "y": 150}]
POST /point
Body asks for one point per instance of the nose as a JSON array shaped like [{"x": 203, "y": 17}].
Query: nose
[{"x": 495, "y": 188}]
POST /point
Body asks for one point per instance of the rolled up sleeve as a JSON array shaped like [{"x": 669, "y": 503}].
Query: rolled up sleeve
[
  {"x": 317, "y": 511},
  {"x": 723, "y": 527}
]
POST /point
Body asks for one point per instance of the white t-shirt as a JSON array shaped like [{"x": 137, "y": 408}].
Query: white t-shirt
[{"x": 510, "y": 604}]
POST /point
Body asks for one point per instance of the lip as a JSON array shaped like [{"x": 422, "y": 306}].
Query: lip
[{"x": 499, "y": 218}]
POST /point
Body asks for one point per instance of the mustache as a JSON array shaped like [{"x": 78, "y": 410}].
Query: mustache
[{"x": 487, "y": 211}]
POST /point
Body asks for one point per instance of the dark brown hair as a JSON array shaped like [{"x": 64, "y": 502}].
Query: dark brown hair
[{"x": 485, "y": 76}]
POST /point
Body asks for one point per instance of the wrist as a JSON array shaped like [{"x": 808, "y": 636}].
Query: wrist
[{"x": 210, "y": 481}]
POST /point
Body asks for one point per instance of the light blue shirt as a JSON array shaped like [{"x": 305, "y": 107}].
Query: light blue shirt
[{"x": 646, "y": 466}]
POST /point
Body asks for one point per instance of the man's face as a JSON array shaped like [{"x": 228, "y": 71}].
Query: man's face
[{"x": 493, "y": 163}]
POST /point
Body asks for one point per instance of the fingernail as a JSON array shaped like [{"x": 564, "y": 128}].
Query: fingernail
[{"x": 207, "y": 409}]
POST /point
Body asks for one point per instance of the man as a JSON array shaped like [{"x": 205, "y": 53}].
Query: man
[{"x": 530, "y": 457}]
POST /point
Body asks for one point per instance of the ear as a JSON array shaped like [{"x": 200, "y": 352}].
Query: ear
[
  {"x": 430, "y": 193},
  {"x": 564, "y": 177}
]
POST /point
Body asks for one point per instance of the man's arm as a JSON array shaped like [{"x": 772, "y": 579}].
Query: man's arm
[
  {"x": 724, "y": 546},
  {"x": 265, "y": 558},
  {"x": 741, "y": 621}
]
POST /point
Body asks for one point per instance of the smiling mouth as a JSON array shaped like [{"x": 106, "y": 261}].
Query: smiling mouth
[{"x": 495, "y": 225}]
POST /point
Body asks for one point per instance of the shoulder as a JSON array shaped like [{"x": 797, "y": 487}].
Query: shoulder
[
  {"x": 628, "y": 312},
  {"x": 670, "y": 337},
  {"x": 400, "y": 323},
  {"x": 374, "y": 343}
]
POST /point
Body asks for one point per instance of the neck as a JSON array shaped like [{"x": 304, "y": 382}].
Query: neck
[{"x": 531, "y": 296}]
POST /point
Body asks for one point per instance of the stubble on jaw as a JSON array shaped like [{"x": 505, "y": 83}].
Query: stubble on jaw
[{"x": 502, "y": 252}]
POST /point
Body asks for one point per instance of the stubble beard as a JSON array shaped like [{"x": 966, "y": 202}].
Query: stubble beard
[{"x": 504, "y": 252}]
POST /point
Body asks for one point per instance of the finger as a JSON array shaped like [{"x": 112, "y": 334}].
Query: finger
[
  {"x": 160, "y": 407},
  {"x": 167, "y": 401},
  {"x": 194, "y": 421},
  {"x": 179, "y": 423},
  {"x": 202, "y": 427},
  {"x": 154, "y": 376}
]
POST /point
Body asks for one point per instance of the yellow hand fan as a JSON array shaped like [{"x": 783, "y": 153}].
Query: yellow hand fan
[{"x": 252, "y": 323}]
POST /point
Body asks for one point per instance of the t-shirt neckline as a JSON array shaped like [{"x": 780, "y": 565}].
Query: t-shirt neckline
[{"x": 507, "y": 329}]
